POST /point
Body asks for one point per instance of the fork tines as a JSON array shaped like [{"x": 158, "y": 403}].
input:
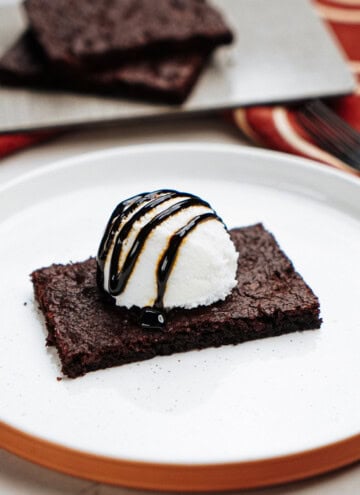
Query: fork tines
[{"x": 330, "y": 132}]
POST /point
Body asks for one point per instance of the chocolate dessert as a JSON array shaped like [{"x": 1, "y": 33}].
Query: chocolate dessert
[
  {"x": 129, "y": 48},
  {"x": 167, "y": 78},
  {"x": 82, "y": 33},
  {"x": 90, "y": 332},
  {"x": 24, "y": 63}
]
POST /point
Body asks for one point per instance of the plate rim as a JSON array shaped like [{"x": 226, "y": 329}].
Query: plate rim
[
  {"x": 181, "y": 477},
  {"x": 177, "y": 476},
  {"x": 241, "y": 149}
]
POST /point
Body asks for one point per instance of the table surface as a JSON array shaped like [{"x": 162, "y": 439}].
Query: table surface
[{"x": 18, "y": 477}]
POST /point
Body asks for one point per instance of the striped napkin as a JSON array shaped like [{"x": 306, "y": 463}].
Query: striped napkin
[{"x": 276, "y": 127}]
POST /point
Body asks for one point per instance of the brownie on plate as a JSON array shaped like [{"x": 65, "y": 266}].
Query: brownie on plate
[
  {"x": 167, "y": 78},
  {"x": 90, "y": 333},
  {"x": 77, "y": 33}
]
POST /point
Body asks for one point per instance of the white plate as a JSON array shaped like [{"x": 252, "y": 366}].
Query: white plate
[{"x": 255, "y": 401}]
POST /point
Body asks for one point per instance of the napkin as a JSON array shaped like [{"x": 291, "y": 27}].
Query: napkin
[
  {"x": 273, "y": 126},
  {"x": 277, "y": 127},
  {"x": 9, "y": 143}
]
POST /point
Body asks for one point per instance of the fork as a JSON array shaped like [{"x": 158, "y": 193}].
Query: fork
[{"x": 330, "y": 132}]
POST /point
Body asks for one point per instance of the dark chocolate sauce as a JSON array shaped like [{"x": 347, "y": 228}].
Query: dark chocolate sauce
[
  {"x": 122, "y": 210},
  {"x": 168, "y": 259},
  {"x": 152, "y": 318},
  {"x": 116, "y": 233}
]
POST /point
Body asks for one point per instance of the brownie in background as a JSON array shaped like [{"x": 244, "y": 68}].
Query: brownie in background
[
  {"x": 167, "y": 79},
  {"x": 106, "y": 32}
]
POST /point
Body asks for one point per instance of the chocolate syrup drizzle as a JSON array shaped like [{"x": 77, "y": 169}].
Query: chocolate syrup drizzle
[{"x": 151, "y": 317}]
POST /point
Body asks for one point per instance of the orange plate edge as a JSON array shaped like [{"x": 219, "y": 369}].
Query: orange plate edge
[{"x": 180, "y": 477}]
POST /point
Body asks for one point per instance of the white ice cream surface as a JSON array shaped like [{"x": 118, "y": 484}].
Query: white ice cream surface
[
  {"x": 205, "y": 266},
  {"x": 205, "y": 269}
]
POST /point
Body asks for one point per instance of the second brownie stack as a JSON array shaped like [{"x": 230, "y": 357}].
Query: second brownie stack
[{"x": 140, "y": 48}]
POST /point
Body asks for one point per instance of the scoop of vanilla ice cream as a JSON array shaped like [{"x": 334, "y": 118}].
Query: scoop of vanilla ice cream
[{"x": 205, "y": 264}]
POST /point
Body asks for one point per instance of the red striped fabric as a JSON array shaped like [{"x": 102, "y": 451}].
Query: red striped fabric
[
  {"x": 276, "y": 127},
  {"x": 15, "y": 142}
]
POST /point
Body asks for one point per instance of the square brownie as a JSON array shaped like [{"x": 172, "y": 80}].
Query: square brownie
[
  {"x": 82, "y": 33},
  {"x": 167, "y": 78},
  {"x": 90, "y": 333}
]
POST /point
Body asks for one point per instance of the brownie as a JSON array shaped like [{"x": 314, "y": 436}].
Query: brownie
[
  {"x": 24, "y": 63},
  {"x": 168, "y": 78},
  {"x": 90, "y": 333},
  {"x": 105, "y": 32}
]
